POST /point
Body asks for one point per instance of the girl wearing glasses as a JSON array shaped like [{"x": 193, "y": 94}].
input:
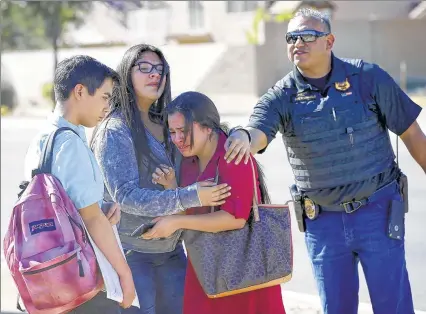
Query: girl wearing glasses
[{"x": 129, "y": 144}]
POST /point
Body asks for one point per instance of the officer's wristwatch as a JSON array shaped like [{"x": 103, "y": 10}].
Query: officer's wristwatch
[{"x": 238, "y": 128}]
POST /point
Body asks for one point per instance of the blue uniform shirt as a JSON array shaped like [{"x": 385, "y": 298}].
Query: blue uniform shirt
[
  {"x": 396, "y": 110},
  {"x": 73, "y": 164}
]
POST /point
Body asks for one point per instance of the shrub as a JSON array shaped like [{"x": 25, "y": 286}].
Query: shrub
[{"x": 47, "y": 93}]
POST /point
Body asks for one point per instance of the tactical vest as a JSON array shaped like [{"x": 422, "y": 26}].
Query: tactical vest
[{"x": 336, "y": 140}]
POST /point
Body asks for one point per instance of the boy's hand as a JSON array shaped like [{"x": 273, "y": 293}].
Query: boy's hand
[{"x": 128, "y": 287}]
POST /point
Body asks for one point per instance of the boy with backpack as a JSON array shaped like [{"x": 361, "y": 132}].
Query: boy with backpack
[{"x": 82, "y": 87}]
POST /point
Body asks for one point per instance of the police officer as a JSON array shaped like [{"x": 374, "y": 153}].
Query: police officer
[{"x": 334, "y": 115}]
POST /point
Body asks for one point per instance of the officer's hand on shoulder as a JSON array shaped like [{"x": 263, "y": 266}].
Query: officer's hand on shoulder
[{"x": 237, "y": 147}]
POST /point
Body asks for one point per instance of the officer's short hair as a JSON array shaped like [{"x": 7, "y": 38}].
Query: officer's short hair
[
  {"x": 316, "y": 15},
  {"x": 83, "y": 70}
]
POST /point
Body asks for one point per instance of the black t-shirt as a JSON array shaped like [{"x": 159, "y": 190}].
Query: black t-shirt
[{"x": 318, "y": 82}]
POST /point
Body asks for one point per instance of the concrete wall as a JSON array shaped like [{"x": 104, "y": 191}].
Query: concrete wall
[
  {"x": 232, "y": 73},
  {"x": 29, "y": 70},
  {"x": 228, "y": 27},
  {"x": 385, "y": 42},
  {"x": 378, "y": 10}
]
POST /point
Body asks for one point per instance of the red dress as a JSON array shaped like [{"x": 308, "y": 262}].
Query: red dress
[{"x": 240, "y": 178}]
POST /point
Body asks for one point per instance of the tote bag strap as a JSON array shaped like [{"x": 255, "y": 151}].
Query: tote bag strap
[
  {"x": 255, "y": 204},
  {"x": 216, "y": 180}
]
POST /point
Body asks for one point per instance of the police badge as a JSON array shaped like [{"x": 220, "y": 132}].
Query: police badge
[
  {"x": 311, "y": 210},
  {"x": 342, "y": 86}
]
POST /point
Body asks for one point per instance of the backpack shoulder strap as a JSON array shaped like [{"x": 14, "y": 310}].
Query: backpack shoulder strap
[{"x": 46, "y": 156}]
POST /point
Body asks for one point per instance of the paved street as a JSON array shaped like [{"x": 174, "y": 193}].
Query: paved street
[{"x": 17, "y": 132}]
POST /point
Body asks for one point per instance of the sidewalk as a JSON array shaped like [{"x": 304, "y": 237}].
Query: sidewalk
[{"x": 295, "y": 303}]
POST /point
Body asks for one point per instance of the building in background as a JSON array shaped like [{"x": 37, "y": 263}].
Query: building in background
[
  {"x": 206, "y": 41},
  {"x": 163, "y": 22}
]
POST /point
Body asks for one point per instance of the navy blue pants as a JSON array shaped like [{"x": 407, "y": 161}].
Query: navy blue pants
[
  {"x": 159, "y": 280},
  {"x": 338, "y": 241}
]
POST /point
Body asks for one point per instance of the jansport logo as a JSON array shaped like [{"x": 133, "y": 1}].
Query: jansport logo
[{"x": 42, "y": 225}]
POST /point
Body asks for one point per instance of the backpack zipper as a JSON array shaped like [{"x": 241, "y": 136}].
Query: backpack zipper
[
  {"x": 83, "y": 232},
  {"x": 75, "y": 255},
  {"x": 80, "y": 265}
]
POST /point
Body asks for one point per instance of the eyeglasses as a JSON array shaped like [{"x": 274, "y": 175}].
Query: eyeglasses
[
  {"x": 307, "y": 36},
  {"x": 147, "y": 67}
]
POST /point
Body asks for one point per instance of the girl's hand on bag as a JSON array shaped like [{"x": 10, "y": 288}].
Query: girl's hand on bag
[
  {"x": 164, "y": 227},
  {"x": 165, "y": 176}
]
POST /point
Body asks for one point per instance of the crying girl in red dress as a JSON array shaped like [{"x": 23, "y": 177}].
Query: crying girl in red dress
[{"x": 194, "y": 125}]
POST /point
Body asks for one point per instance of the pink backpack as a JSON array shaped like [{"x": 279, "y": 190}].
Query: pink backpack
[{"x": 46, "y": 246}]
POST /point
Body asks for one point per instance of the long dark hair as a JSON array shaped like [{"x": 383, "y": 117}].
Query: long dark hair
[
  {"x": 124, "y": 100},
  {"x": 197, "y": 107}
]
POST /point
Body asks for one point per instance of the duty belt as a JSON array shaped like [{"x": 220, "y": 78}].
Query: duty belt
[{"x": 312, "y": 209}]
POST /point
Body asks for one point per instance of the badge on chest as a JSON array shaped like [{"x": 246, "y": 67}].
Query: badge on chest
[{"x": 342, "y": 86}]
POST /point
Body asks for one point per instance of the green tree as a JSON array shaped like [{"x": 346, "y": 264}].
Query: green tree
[
  {"x": 20, "y": 28},
  {"x": 39, "y": 24},
  {"x": 263, "y": 15}
]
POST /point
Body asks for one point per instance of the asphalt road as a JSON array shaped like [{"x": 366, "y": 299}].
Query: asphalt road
[{"x": 16, "y": 134}]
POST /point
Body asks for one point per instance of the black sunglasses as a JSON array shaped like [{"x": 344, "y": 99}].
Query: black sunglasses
[
  {"x": 307, "y": 36},
  {"x": 147, "y": 67}
]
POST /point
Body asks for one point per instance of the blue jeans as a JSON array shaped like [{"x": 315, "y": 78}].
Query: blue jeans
[
  {"x": 338, "y": 241},
  {"x": 159, "y": 279}
]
